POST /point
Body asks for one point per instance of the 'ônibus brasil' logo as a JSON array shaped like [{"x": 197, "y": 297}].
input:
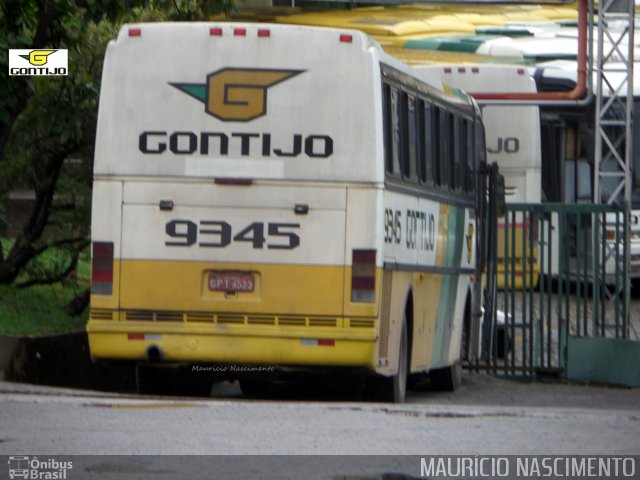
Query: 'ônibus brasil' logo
[{"x": 236, "y": 94}]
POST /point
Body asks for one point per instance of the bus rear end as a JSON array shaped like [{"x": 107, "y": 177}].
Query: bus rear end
[{"x": 232, "y": 186}]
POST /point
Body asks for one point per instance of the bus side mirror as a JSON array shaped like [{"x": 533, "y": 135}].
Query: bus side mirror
[{"x": 500, "y": 196}]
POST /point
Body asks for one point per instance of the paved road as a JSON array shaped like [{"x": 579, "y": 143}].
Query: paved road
[{"x": 486, "y": 416}]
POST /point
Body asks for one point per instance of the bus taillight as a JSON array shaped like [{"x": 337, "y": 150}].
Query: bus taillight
[
  {"x": 102, "y": 268},
  {"x": 363, "y": 276},
  {"x": 346, "y": 38}
]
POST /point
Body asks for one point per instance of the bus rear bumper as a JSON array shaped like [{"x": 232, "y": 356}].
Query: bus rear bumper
[{"x": 338, "y": 347}]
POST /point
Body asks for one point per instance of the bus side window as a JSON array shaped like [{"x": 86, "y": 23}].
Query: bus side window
[
  {"x": 397, "y": 132},
  {"x": 411, "y": 158},
  {"x": 471, "y": 153},
  {"x": 393, "y": 129},
  {"x": 481, "y": 149},
  {"x": 425, "y": 143},
  {"x": 403, "y": 135},
  {"x": 432, "y": 136},
  {"x": 444, "y": 151},
  {"x": 457, "y": 149},
  {"x": 435, "y": 145},
  {"x": 635, "y": 168},
  {"x": 387, "y": 127}
]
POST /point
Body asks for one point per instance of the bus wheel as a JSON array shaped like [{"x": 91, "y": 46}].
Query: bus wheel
[
  {"x": 446, "y": 379},
  {"x": 393, "y": 389}
]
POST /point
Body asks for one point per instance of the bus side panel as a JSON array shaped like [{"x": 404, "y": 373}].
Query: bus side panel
[
  {"x": 400, "y": 257},
  {"x": 388, "y": 351},
  {"x": 431, "y": 249},
  {"x": 465, "y": 260},
  {"x": 427, "y": 285},
  {"x": 363, "y": 226},
  {"x": 456, "y": 237},
  {"x": 451, "y": 241},
  {"x": 426, "y": 289},
  {"x": 455, "y": 341}
]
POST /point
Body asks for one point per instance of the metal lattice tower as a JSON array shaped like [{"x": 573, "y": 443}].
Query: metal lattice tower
[{"x": 613, "y": 123}]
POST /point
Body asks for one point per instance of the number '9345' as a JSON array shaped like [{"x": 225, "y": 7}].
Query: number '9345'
[{"x": 219, "y": 234}]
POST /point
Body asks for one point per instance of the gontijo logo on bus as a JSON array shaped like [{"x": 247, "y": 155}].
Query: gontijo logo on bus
[{"x": 236, "y": 94}]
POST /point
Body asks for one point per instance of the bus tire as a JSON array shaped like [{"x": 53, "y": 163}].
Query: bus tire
[
  {"x": 446, "y": 379},
  {"x": 393, "y": 389}
]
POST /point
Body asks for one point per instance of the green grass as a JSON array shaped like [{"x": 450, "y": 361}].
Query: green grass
[{"x": 38, "y": 310}]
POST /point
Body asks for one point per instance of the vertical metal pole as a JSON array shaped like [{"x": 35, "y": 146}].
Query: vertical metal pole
[
  {"x": 562, "y": 281},
  {"x": 541, "y": 281},
  {"x": 548, "y": 293},
  {"x": 614, "y": 105},
  {"x": 603, "y": 274}
]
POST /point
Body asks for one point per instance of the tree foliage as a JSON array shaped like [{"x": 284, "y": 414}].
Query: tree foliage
[{"x": 47, "y": 124}]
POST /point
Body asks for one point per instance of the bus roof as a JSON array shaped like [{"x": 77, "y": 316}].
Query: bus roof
[{"x": 562, "y": 73}]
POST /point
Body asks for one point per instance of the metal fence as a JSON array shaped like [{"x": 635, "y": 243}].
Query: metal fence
[{"x": 561, "y": 271}]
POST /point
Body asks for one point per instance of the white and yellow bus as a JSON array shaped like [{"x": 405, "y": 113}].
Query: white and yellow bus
[
  {"x": 283, "y": 197},
  {"x": 513, "y": 142}
]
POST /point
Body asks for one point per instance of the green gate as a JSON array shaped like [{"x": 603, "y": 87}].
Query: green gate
[{"x": 560, "y": 274}]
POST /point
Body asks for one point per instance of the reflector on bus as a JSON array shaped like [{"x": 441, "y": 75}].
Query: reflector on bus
[
  {"x": 102, "y": 268},
  {"x": 363, "y": 276}
]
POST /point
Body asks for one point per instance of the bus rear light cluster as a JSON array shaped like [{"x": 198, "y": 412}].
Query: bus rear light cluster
[
  {"x": 265, "y": 33},
  {"x": 102, "y": 268},
  {"x": 363, "y": 276},
  {"x": 239, "y": 32}
]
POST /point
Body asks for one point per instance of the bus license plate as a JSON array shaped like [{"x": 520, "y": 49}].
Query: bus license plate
[{"x": 231, "y": 282}]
